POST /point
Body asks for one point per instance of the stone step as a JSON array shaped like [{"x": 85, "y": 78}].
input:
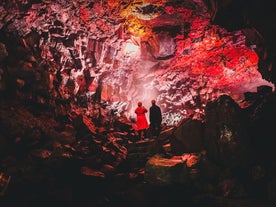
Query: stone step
[{"x": 140, "y": 145}]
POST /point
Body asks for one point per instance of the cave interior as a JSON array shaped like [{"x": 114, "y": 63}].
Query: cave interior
[{"x": 72, "y": 72}]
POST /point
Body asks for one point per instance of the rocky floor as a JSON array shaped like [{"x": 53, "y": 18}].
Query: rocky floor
[
  {"x": 95, "y": 193},
  {"x": 45, "y": 178},
  {"x": 59, "y": 183}
]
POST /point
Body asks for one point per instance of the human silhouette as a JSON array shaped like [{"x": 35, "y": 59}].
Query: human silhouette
[
  {"x": 155, "y": 118},
  {"x": 141, "y": 121}
]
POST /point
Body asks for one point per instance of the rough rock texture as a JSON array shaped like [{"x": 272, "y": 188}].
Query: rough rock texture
[
  {"x": 71, "y": 73},
  {"x": 226, "y": 133},
  {"x": 188, "y": 137},
  {"x": 116, "y": 53},
  {"x": 163, "y": 171}
]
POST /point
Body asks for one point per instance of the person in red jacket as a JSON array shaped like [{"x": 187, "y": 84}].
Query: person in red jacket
[{"x": 141, "y": 121}]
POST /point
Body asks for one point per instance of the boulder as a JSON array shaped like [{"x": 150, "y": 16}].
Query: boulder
[
  {"x": 166, "y": 171},
  {"x": 187, "y": 137}
]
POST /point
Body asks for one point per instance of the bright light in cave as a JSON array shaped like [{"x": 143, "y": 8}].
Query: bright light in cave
[
  {"x": 140, "y": 52},
  {"x": 131, "y": 48}
]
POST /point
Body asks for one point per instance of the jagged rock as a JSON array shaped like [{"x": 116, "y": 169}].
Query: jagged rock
[
  {"x": 68, "y": 136},
  {"x": 166, "y": 132},
  {"x": 163, "y": 46},
  {"x": 226, "y": 135},
  {"x": 108, "y": 170},
  {"x": 187, "y": 137},
  {"x": 93, "y": 173},
  {"x": 261, "y": 113},
  {"x": 165, "y": 171},
  {"x": 41, "y": 153},
  {"x": 176, "y": 56},
  {"x": 92, "y": 51}
]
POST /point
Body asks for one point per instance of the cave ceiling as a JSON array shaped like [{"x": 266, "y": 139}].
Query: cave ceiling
[{"x": 119, "y": 52}]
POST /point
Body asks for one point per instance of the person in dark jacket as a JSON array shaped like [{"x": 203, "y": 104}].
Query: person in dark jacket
[{"x": 155, "y": 118}]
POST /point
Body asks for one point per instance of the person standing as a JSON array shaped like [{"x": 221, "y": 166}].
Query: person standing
[
  {"x": 155, "y": 118},
  {"x": 141, "y": 122}
]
